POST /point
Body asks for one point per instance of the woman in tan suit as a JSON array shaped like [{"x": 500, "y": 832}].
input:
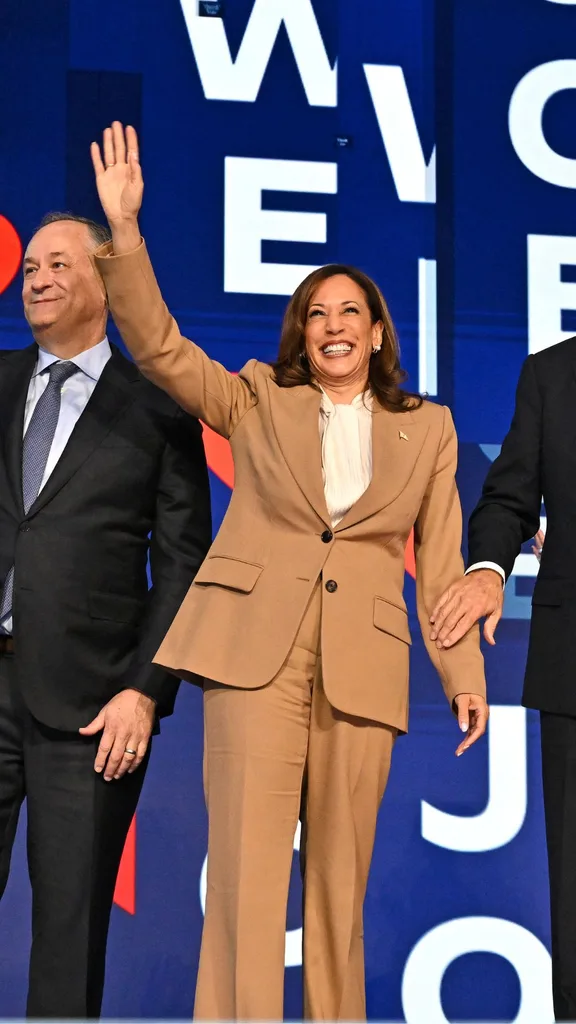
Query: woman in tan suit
[{"x": 297, "y": 618}]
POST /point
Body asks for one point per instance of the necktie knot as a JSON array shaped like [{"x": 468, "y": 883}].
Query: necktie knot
[{"x": 61, "y": 371}]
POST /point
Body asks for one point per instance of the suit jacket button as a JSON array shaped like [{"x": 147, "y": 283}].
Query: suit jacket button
[
  {"x": 24, "y": 527},
  {"x": 326, "y": 536},
  {"x": 331, "y": 586}
]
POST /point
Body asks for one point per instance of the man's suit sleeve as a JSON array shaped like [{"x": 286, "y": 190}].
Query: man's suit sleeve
[
  {"x": 508, "y": 513},
  {"x": 181, "y": 536}
]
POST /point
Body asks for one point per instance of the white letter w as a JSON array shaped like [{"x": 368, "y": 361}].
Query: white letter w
[{"x": 225, "y": 79}]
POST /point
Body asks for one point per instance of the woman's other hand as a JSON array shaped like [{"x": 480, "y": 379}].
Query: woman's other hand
[{"x": 473, "y": 713}]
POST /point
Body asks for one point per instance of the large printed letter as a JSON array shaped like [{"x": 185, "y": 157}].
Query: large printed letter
[
  {"x": 548, "y": 294},
  {"x": 225, "y": 79},
  {"x": 525, "y": 121},
  {"x": 247, "y": 224},
  {"x": 433, "y": 954},
  {"x": 415, "y": 180},
  {"x": 504, "y": 814}
]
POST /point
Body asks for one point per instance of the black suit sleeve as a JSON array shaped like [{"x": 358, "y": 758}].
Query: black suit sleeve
[
  {"x": 508, "y": 512},
  {"x": 181, "y": 536}
]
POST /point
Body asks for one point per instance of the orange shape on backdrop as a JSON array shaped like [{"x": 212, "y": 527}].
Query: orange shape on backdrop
[
  {"x": 409, "y": 556},
  {"x": 10, "y": 253},
  {"x": 219, "y": 456},
  {"x": 125, "y": 892}
]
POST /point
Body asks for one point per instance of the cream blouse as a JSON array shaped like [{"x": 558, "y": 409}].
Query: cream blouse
[{"x": 346, "y": 441}]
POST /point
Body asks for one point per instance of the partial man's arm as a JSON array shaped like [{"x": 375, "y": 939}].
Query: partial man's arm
[
  {"x": 507, "y": 515},
  {"x": 181, "y": 536}
]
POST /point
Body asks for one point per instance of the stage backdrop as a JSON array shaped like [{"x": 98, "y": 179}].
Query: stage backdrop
[{"x": 431, "y": 143}]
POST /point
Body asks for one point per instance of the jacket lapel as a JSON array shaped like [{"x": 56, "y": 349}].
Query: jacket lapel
[
  {"x": 113, "y": 393},
  {"x": 16, "y": 370},
  {"x": 397, "y": 440},
  {"x": 295, "y": 416}
]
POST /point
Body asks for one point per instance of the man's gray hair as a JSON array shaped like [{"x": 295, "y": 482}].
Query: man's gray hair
[{"x": 98, "y": 232}]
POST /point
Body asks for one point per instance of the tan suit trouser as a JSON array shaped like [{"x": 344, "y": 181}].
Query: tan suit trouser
[{"x": 271, "y": 754}]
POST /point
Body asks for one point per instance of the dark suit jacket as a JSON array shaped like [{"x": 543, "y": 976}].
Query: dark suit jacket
[
  {"x": 132, "y": 482},
  {"x": 538, "y": 459}
]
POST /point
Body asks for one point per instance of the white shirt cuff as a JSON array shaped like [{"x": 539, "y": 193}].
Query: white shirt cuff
[{"x": 487, "y": 565}]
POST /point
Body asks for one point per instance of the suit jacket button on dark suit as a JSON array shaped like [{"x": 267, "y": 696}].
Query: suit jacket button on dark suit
[
  {"x": 24, "y": 527},
  {"x": 331, "y": 586},
  {"x": 327, "y": 536}
]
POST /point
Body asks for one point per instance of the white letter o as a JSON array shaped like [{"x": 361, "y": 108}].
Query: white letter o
[
  {"x": 525, "y": 121},
  {"x": 435, "y": 951}
]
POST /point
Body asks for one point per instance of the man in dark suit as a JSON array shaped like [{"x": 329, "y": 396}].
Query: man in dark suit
[
  {"x": 98, "y": 470},
  {"x": 538, "y": 460}
]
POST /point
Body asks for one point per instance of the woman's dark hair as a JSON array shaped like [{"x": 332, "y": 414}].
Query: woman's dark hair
[{"x": 385, "y": 374}]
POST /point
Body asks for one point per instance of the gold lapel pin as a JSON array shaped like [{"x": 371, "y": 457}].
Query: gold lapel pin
[{"x": 403, "y": 436}]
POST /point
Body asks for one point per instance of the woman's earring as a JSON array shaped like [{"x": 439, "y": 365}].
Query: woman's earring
[
  {"x": 303, "y": 358},
  {"x": 375, "y": 349}
]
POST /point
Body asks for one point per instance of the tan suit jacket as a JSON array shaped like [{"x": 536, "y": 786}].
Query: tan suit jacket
[{"x": 240, "y": 617}]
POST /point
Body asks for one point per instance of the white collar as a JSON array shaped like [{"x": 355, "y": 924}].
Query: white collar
[
  {"x": 361, "y": 401},
  {"x": 92, "y": 361}
]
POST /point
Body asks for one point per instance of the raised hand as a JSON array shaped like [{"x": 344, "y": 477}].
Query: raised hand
[{"x": 118, "y": 175}]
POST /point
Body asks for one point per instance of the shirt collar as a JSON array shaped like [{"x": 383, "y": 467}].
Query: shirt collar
[
  {"x": 362, "y": 401},
  {"x": 92, "y": 361}
]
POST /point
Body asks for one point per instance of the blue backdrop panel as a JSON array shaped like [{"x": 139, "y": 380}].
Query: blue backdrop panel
[
  {"x": 409, "y": 171},
  {"x": 94, "y": 98}
]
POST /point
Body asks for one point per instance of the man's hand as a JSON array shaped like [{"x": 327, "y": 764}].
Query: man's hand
[
  {"x": 120, "y": 184},
  {"x": 473, "y": 597},
  {"x": 126, "y": 723},
  {"x": 538, "y": 544},
  {"x": 473, "y": 714}
]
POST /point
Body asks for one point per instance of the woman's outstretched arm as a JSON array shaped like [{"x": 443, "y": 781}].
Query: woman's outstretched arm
[{"x": 200, "y": 385}]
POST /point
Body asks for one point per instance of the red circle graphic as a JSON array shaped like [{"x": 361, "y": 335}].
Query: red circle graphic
[{"x": 10, "y": 253}]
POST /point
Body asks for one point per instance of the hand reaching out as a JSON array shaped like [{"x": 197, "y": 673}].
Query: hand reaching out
[
  {"x": 119, "y": 177},
  {"x": 480, "y": 594}
]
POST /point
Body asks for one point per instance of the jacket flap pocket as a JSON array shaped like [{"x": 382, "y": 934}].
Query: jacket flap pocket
[
  {"x": 228, "y": 572},
  {"x": 114, "y": 607},
  {"x": 548, "y": 592},
  {"x": 391, "y": 619}
]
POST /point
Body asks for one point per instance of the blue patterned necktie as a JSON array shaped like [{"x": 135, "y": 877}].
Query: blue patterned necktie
[{"x": 36, "y": 449}]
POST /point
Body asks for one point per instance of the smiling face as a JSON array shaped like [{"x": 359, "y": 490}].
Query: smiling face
[
  {"x": 62, "y": 297},
  {"x": 339, "y": 334}
]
